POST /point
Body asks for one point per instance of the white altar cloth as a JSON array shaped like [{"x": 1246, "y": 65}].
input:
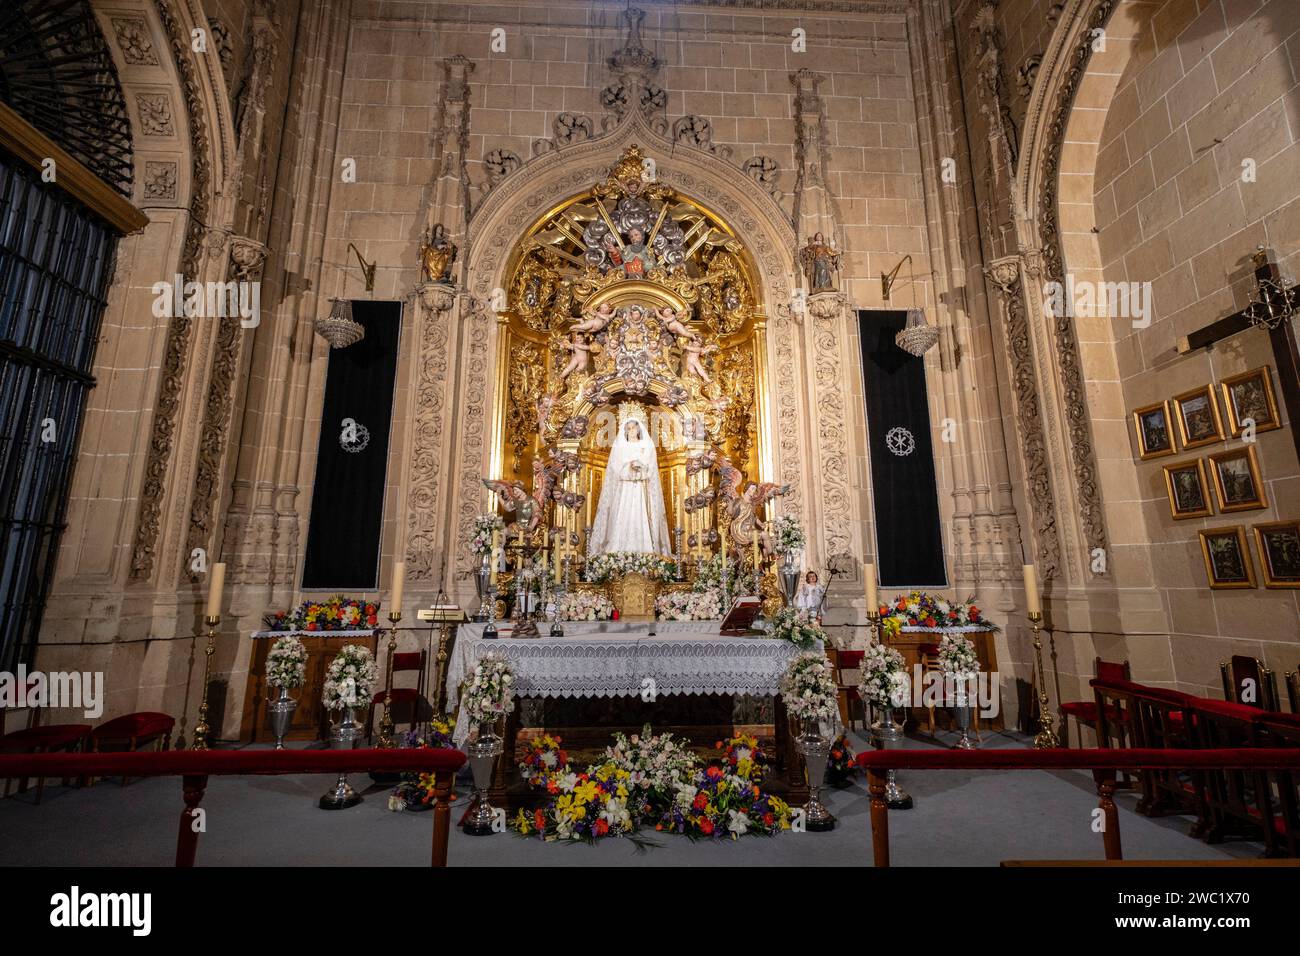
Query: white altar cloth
[{"x": 621, "y": 659}]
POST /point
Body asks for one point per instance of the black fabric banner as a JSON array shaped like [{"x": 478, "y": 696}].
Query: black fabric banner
[
  {"x": 347, "y": 504},
  {"x": 909, "y": 544}
]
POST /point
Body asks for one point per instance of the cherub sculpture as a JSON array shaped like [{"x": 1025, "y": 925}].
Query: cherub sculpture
[
  {"x": 580, "y": 356},
  {"x": 595, "y": 320},
  {"x": 672, "y": 321},
  {"x": 514, "y": 498},
  {"x": 692, "y": 352},
  {"x": 745, "y": 511}
]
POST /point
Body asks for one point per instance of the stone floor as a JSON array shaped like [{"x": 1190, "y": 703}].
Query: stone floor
[{"x": 960, "y": 819}]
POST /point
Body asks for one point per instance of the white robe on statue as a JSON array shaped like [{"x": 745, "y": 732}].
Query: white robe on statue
[{"x": 630, "y": 516}]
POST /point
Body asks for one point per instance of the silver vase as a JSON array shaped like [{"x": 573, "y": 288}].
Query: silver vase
[
  {"x": 789, "y": 577},
  {"x": 343, "y": 736},
  {"x": 281, "y": 713},
  {"x": 483, "y": 752},
  {"x": 961, "y": 714},
  {"x": 815, "y": 746},
  {"x": 482, "y": 578},
  {"x": 886, "y": 732}
]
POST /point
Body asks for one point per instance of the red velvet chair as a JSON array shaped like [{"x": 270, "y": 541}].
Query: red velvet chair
[
  {"x": 42, "y": 740},
  {"x": 1283, "y": 730},
  {"x": 850, "y": 698},
  {"x": 1085, "y": 712},
  {"x": 410, "y": 697},
  {"x": 1163, "y": 719},
  {"x": 132, "y": 731}
]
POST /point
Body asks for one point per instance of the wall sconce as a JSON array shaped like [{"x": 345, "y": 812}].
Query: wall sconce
[
  {"x": 338, "y": 328},
  {"x": 918, "y": 336}
]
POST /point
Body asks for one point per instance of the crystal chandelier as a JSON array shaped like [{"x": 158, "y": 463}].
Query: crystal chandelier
[
  {"x": 918, "y": 336},
  {"x": 339, "y": 329},
  {"x": 1274, "y": 300}
]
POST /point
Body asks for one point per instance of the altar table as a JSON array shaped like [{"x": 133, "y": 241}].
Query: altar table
[{"x": 621, "y": 658}]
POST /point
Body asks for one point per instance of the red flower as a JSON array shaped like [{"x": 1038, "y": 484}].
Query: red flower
[
  {"x": 706, "y": 826},
  {"x": 701, "y": 801},
  {"x": 768, "y": 819},
  {"x": 714, "y": 773},
  {"x": 551, "y": 787},
  {"x": 602, "y": 828},
  {"x": 539, "y": 819},
  {"x": 312, "y": 626}
]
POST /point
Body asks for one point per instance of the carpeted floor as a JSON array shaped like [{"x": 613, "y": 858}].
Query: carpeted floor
[{"x": 960, "y": 819}]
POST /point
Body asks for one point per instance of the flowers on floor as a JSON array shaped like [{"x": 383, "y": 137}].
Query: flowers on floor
[
  {"x": 884, "y": 676},
  {"x": 286, "y": 663},
  {"x": 339, "y": 613},
  {"x": 690, "y": 605},
  {"x": 798, "y": 627},
  {"x": 651, "y": 782},
  {"x": 490, "y": 693},
  {"x": 919, "y": 609},
  {"x": 788, "y": 534},
  {"x": 481, "y": 531},
  {"x": 809, "y": 690},
  {"x": 415, "y": 792},
  {"x": 584, "y": 606},
  {"x": 839, "y": 762},
  {"x": 605, "y": 566},
  {"x": 350, "y": 680}
]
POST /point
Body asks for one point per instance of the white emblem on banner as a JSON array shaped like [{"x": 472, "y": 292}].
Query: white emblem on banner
[{"x": 900, "y": 441}]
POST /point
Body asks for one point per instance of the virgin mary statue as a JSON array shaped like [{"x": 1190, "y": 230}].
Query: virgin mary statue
[{"x": 630, "y": 515}]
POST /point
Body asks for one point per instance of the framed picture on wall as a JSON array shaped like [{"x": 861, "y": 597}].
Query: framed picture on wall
[
  {"x": 1198, "y": 417},
  {"x": 1188, "y": 489},
  {"x": 1155, "y": 434},
  {"x": 1249, "y": 396},
  {"x": 1279, "y": 553},
  {"x": 1227, "y": 557},
  {"x": 1237, "y": 483}
]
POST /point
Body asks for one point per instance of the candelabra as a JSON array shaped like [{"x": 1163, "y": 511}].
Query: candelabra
[
  {"x": 490, "y": 629},
  {"x": 201, "y": 729},
  {"x": 1046, "y": 736},
  {"x": 386, "y": 722}
]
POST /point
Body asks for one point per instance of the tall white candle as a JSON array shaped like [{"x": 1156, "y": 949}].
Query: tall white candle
[
  {"x": 399, "y": 584},
  {"x": 873, "y": 597},
  {"x": 1032, "y": 596},
  {"x": 216, "y": 583}
]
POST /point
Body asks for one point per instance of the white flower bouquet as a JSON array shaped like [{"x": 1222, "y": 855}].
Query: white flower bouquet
[
  {"x": 605, "y": 566},
  {"x": 286, "y": 663},
  {"x": 798, "y": 627},
  {"x": 490, "y": 693},
  {"x": 481, "y": 531},
  {"x": 884, "y": 676},
  {"x": 808, "y": 689},
  {"x": 690, "y": 605},
  {"x": 788, "y": 534},
  {"x": 708, "y": 574},
  {"x": 584, "y": 606},
  {"x": 350, "y": 680},
  {"x": 957, "y": 658}
]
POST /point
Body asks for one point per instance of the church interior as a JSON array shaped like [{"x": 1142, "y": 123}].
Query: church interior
[{"x": 673, "y": 426}]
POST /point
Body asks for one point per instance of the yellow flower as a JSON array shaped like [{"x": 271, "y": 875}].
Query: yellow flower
[{"x": 586, "y": 792}]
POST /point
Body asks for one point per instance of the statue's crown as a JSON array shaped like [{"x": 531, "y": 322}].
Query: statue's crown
[{"x": 631, "y": 412}]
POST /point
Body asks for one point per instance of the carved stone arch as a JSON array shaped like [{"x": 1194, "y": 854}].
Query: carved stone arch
[{"x": 551, "y": 177}]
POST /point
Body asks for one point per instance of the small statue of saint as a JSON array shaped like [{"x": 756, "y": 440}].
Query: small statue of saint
[
  {"x": 819, "y": 261},
  {"x": 437, "y": 253},
  {"x": 637, "y": 257}
]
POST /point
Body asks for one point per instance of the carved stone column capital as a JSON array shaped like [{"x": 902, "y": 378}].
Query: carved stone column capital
[
  {"x": 1004, "y": 273},
  {"x": 246, "y": 258},
  {"x": 436, "y": 296},
  {"x": 827, "y": 305}
]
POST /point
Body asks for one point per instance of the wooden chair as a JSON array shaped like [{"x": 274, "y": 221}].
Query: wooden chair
[
  {"x": 1293, "y": 689},
  {"x": 1283, "y": 730},
  {"x": 1243, "y": 672},
  {"x": 1238, "y": 801},
  {"x": 408, "y": 696},
  {"x": 850, "y": 699},
  {"x": 41, "y": 740},
  {"x": 132, "y": 731},
  {"x": 928, "y": 657},
  {"x": 1085, "y": 712},
  {"x": 1163, "y": 719}
]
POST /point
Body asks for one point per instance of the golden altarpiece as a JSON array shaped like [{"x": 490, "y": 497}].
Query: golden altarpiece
[{"x": 633, "y": 293}]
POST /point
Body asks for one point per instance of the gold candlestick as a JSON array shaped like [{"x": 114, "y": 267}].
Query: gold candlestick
[
  {"x": 386, "y": 722},
  {"x": 873, "y": 622},
  {"x": 201, "y": 729},
  {"x": 1046, "y": 736}
]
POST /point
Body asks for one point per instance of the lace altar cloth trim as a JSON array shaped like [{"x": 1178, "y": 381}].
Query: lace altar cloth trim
[{"x": 620, "y": 660}]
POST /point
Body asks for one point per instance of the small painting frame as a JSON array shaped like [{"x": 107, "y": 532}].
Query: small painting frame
[
  {"x": 1181, "y": 505},
  {"x": 1250, "y": 395},
  {"x": 1226, "y": 553},
  {"x": 1147, "y": 424},
  {"x": 1228, "y": 480},
  {"x": 1197, "y": 413},
  {"x": 1279, "y": 568}
]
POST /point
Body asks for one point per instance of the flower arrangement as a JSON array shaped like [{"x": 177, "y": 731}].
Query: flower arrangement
[
  {"x": 884, "y": 676},
  {"x": 708, "y": 573},
  {"x": 286, "y": 663},
  {"x": 655, "y": 781},
  {"x": 796, "y": 626},
  {"x": 481, "y": 531},
  {"x": 690, "y": 605},
  {"x": 544, "y": 761},
  {"x": 490, "y": 693},
  {"x": 339, "y": 613},
  {"x": 919, "y": 609},
  {"x": 605, "y": 566},
  {"x": 839, "y": 762},
  {"x": 788, "y": 534},
  {"x": 350, "y": 680},
  {"x": 584, "y": 606},
  {"x": 415, "y": 792},
  {"x": 957, "y": 658},
  {"x": 808, "y": 689}
]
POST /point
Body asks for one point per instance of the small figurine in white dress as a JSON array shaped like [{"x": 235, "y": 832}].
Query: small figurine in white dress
[{"x": 810, "y": 595}]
